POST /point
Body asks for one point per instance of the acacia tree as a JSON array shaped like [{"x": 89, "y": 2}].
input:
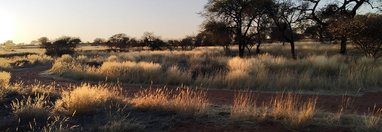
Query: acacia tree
[
  {"x": 217, "y": 33},
  {"x": 287, "y": 15},
  {"x": 154, "y": 42},
  {"x": 364, "y": 31},
  {"x": 239, "y": 15},
  {"x": 339, "y": 12},
  {"x": 187, "y": 43},
  {"x": 118, "y": 42},
  {"x": 61, "y": 46}
]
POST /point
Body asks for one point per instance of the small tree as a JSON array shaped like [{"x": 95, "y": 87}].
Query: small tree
[
  {"x": 154, "y": 42},
  {"x": 61, "y": 46}
]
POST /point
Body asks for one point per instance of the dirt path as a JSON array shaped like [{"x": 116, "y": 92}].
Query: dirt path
[{"x": 330, "y": 103}]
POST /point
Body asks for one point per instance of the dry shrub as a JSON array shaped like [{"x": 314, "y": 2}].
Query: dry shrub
[
  {"x": 5, "y": 77},
  {"x": 31, "y": 108},
  {"x": 62, "y": 64},
  {"x": 87, "y": 99}
]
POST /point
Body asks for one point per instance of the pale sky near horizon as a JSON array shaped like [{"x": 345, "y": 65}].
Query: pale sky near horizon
[{"x": 25, "y": 20}]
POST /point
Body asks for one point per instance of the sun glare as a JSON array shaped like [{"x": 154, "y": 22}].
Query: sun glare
[{"x": 6, "y": 27}]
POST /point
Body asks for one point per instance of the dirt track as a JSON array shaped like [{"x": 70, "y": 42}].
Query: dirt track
[{"x": 330, "y": 103}]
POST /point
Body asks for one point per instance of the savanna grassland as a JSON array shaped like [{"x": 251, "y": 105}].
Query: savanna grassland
[{"x": 203, "y": 89}]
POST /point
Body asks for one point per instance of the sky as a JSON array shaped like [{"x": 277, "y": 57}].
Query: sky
[{"x": 25, "y": 20}]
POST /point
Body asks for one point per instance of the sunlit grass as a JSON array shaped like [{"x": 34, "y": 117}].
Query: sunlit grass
[
  {"x": 267, "y": 72},
  {"x": 31, "y": 108},
  {"x": 5, "y": 77},
  {"x": 183, "y": 101},
  {"x": 87, "y": 99},
  {"x": 288, "y": 107}
]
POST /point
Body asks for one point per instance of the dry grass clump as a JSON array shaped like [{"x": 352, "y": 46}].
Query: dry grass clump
[
  {"x": 141, "y": 72},
  {"x": 5, "y": 77},
  {"x": 244, "y": 106},
  {"x": 177, "y": 76},
  {"x": 288, "y": 107},
  {"x": 152, "y": 99},
  {"x": 31, "y": 108},
  {"x": 245, "y": 73},
  {"x": 190, "y": 102},
  {"x": 57, "y": 124},
  {"x": 87, "y": 99},
  {"x": 372, "y": 120},
  {"x": 184, "y": 101},
  {"x": 41, "y": 59},
  {"x": 45, "y": 89},
  {"x": 5, "y": 64},
  {"x": 293, "y": 108}
]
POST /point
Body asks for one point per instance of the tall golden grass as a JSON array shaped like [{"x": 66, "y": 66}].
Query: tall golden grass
[
  {"x": 87, "y": 99},
  {"x": 29, "y": 109},
  {"x": 288, "y": 107},
  {"x": 372, "y": 120},
  {"x": 264, "y": 72},
  {"x": 5, "y": 77},
  {"x": 183, "y": 100}
]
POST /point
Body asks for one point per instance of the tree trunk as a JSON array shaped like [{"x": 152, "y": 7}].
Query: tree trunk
[
  {"x": 292, "y": 47},
  {"x": 343, "y": 49},
  {"x": 241, "y": 50},
  {"x": 258, "y": 48},
  {"x": 249, "y": 49}
]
